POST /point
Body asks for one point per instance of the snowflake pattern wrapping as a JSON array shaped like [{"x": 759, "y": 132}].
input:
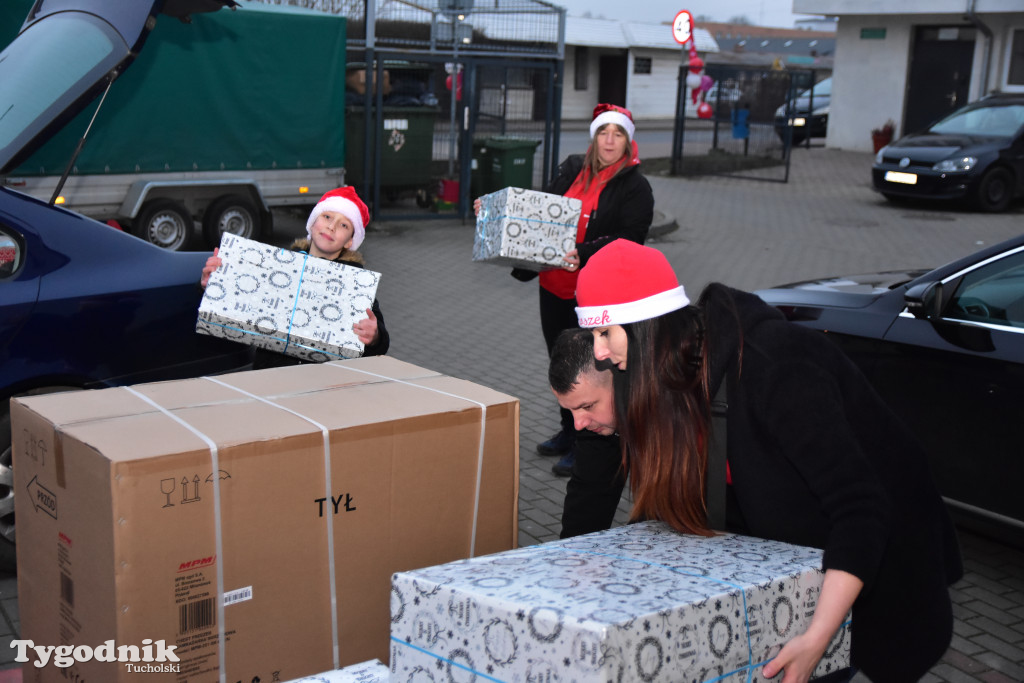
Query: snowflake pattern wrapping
[
  {"x": 286, "y": 301},
  {"x": 636, "y": 603},
  {"x": 526, "y": 229},
  {"x": 373, "y": 671}
]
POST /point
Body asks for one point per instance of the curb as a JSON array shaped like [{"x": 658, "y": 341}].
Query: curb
[{"x": 662, "y": 225}]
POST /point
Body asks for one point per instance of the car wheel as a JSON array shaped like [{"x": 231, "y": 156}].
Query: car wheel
[
  {"x": 165, "y": 223},
  {"x": 234, "y": 214},
  {"x": 995, "y": 191},
  {"x": 8, "y": 557}
]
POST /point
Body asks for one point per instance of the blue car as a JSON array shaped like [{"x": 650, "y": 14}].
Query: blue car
[{"x": 82, "y": 304}]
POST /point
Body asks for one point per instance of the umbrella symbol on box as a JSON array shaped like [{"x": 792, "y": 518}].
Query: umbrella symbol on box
[{"x": 223, "y": 475}]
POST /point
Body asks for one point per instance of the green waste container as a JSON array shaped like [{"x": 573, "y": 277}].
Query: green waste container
[
  {"x": 407, "y": 136},
  {"x": 502, "y": 161}
]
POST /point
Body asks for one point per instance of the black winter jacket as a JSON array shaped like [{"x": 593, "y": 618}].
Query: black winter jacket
[{"x": 818, "y": 459}]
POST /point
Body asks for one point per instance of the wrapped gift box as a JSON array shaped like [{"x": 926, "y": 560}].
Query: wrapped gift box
[
  {"x": 373, "y": 671},
  {"x": 525, "y": 228},
  {"x": 636, "y": 603},
  {"x": 286, "y": 301}
]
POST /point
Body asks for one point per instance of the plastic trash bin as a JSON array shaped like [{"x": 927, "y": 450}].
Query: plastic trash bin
[
  {"x": 502, "y": 161},
  {"x": 407, "y": 135}
]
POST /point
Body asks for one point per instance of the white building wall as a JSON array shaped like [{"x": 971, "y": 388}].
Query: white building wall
[
  {"x": 868, "y": 80},
  {"x": 902, "y": 7},
  {"x": 653, "y": 95},
  {"x": 648, "y": 96},
  {"x": 870, "y": 76},
  {"x": 579, "y": 104}
]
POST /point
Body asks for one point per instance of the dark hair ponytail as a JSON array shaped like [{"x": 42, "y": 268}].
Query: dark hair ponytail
[{"x": 663, "y": 407}]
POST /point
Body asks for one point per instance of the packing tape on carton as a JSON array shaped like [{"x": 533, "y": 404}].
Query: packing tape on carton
[
  {"x": 218, "y": 542},
  {"x": 330, "y": 518},
  {"x": 480, "y": 450}
]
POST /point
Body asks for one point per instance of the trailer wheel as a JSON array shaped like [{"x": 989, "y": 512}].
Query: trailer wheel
[
  {"x": 234, "y": 214},
  {"x": 165, "y": 223}
]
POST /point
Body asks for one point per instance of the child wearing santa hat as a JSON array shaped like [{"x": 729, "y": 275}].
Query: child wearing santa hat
[
  {"x": 334, "y": 230},
  {"x": 813, "y": 456}
]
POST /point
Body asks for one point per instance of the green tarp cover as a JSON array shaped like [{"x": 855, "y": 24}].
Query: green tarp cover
[{"x": 259, "y": 87}]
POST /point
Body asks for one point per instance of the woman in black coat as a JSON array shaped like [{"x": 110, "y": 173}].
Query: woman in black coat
[
  {"x": 813, "y": 456},
  {"x": 617, "y": 203}
]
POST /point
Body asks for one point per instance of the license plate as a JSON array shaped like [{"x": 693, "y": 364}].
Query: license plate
[{"x": 904, "y": 178}]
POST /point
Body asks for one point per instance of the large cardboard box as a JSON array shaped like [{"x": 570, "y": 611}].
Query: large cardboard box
[
  {"x": 636, "y": 603},
  {"x": 286, "y": 301},
  {"x": 525, "y": 228},
  {"x": 201, "y": 511}
]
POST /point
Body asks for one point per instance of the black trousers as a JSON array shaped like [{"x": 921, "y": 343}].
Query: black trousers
[{"x": 556, "y": 315}]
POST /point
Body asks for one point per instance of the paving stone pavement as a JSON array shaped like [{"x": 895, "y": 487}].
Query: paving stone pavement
[{"x": 472, "y": 320}]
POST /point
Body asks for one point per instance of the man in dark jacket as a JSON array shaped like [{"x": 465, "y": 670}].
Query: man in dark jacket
[{"x": 596, "y": 482}]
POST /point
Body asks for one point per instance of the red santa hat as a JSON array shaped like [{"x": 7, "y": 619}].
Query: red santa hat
[
  {"x": 610, "y": 113},
  {"x": 345, "y": 201},
  {"x": 625, "y": 282}
]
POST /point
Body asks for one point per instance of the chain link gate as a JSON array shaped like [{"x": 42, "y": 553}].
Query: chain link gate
[{"x": 747, "y": 134}]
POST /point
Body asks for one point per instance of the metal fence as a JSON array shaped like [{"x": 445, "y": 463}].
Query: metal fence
[
  {"x": 449, "y": 74},
  {"x": 748, "y": 129}
]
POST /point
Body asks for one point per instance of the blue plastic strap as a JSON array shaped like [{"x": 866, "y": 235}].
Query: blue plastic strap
[{"x": 302, "y": 274}]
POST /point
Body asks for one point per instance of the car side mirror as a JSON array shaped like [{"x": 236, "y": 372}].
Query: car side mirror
[{"x": 924, "y": 300}]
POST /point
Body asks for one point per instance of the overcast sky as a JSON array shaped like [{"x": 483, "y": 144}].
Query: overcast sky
[{"x": 761, "y": 12}]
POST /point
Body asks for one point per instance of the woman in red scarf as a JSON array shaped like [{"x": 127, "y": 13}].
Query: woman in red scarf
[{"x": 617, "y": 203}]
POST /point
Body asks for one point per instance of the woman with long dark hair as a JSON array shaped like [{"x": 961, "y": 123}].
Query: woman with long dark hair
[{"x": 813, "y": 456}]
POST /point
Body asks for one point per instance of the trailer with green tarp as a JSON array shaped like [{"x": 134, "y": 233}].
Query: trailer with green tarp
[{"x": 244, "y": 113}]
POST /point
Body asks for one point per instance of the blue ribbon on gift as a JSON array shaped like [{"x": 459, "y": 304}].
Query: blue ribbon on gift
[
  {"x": 484, "y": 219},
  {"x": 291, "y": 320}
]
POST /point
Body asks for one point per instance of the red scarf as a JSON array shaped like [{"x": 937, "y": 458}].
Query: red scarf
[{"x": 562, "y": 282}]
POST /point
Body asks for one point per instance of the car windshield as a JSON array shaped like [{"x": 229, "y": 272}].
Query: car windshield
[
  {"x": 996, "y": 119},
  {"x": 822, "y": 89},
  {"x": 46, "y": 68}
]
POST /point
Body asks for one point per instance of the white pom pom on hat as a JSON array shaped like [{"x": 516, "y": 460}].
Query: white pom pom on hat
[
  {"x": 345, "y": 201},
  {"x": 625, "y": 282},
  {"x": 610, "y": 113}
]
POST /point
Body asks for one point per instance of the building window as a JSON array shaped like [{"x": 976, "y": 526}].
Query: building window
[
  {"x": 1015, "y": 69},
  {"x": 642, "y": 65},
  {"x": 582, "y": 67}
]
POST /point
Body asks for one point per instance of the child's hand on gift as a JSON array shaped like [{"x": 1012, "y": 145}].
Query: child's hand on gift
[
  {"x": 572, "y": 260},
  {"x": 366, "y": 329},
  {"x": 212, "y": 264},
  {"x": 476, "y": 206}
]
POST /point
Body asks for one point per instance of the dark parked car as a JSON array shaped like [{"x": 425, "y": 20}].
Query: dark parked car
[
  {"x": 977, "y": 153},
  {"x": 945, "y": 349},
  {"x": 808, "y": 115},
  {"x": 83, "y": 304}
]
